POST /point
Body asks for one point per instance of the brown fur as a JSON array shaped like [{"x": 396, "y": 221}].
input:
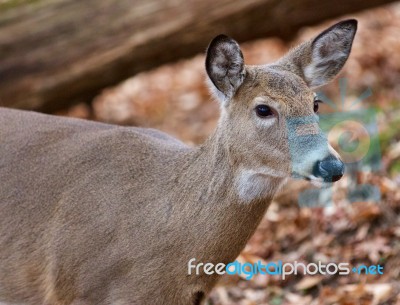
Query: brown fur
[{"x": 98, "y": 214}]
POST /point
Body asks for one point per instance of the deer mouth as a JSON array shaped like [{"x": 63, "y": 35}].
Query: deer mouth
[
  {"x": 314, "y": 180},
  {"x": 319, "y": 182}
]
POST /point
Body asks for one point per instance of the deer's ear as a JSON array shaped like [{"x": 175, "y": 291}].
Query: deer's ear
[
  {"x": 224, "y": 66},
  {"x": 318, "y": 61}
]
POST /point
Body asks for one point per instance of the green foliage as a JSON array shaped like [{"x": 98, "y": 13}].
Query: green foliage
[
  {"x": 389, "y": 134},
  {"x": 395, "y": 168},
  {"x": 9, "y": 4}
]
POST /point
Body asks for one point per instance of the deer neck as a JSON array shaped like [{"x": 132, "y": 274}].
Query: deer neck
[
  {"x": 226, "y": 201},
  {"x": 219, "y": 174}
]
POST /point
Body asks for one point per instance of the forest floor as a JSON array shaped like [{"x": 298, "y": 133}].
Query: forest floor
[{"x": 175, "y": 99}]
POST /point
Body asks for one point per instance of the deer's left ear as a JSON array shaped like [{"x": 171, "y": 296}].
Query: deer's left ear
[
  {"x": 320, "y": 60},
  {"x": 225, "y": 67}
]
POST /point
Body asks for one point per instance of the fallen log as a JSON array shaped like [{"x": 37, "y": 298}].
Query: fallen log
[{"x": 57, "y": 52}]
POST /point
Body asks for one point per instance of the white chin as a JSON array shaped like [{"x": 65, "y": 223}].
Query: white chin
[{"x": 319, "y": 182}]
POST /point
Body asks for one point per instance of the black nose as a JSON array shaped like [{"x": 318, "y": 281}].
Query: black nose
[{"x": 330, "y": 169}]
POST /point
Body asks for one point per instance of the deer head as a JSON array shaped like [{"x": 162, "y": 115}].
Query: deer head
[{"x": 270, "y": 113}]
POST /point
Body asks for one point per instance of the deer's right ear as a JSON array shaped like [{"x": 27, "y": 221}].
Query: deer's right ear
[{"x": 225, "y": 67}]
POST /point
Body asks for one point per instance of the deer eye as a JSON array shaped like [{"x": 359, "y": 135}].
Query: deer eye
[
  {"x": 264, "y": 111},
  {"x": 316, "y": 105}
]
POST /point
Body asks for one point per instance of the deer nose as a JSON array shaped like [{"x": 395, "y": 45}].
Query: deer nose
[{"x": 330, "y": 169}]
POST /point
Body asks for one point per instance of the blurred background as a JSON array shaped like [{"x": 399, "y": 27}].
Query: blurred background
[{"x": 141, "y": 63}]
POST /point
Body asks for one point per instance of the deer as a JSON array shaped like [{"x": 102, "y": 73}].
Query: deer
[{"x": 98, "y": 214}]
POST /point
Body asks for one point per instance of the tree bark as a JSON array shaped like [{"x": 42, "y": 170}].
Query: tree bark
[{"x": 57, "y": 52}]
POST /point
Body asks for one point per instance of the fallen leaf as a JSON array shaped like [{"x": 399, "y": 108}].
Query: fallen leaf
[{"x": 308, "y": 282}]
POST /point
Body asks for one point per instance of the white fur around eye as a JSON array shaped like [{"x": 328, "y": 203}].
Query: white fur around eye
[
  {"x": 268, "y": 121},
  {"x": 265, "y": 122}
]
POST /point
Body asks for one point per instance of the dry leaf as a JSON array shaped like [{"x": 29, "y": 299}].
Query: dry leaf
[{"x": 308, "y": 282}]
